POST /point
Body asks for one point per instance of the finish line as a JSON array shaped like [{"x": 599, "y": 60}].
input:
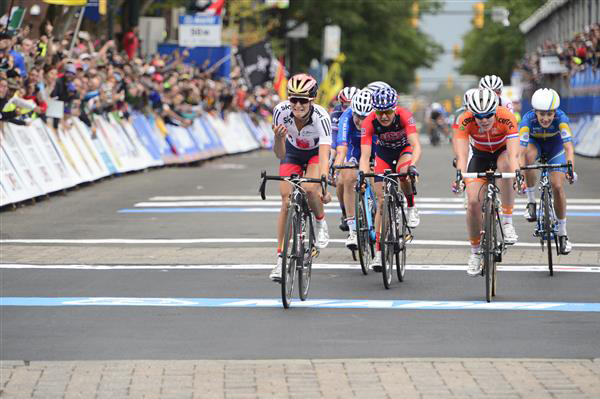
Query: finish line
[{"x": 313, "y": 303}]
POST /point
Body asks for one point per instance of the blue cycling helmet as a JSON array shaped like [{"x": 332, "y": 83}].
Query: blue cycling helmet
[{"x": 384, "y": 99}]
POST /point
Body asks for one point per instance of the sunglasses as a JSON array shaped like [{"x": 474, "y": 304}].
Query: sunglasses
[
  {"x": 484, "y": 116},
  {"x": 386, "y": 112},
  {"x": 296, "y": 100}
]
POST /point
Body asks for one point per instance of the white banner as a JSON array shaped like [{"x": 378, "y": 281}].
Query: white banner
[
  {"x": 200, "y": 30},
  {"x": 551, "y": 64}
]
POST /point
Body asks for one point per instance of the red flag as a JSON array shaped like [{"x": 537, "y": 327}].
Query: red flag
[
  {"x": 216, "y": 7},
  {"x": 280, "y": 82}
]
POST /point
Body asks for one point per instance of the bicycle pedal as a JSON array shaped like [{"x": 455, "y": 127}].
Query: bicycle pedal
[
  {"x": 408, "y": 237},
  {"x": 315, "y": 253}
]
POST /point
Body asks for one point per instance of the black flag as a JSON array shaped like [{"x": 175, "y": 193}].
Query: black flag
[{"x": 255, "y": 62}]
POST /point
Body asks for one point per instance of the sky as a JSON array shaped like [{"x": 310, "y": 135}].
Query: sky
[{"x": 447, "y": 30}]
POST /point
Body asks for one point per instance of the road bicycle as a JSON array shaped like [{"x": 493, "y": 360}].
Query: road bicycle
[
  {"x": 348, "y": 166},
  {"x": 546, "y": 221},
  {"x": 365, "y": 211},
  {"x": 299, "y": 247},
  {"x": 492, "y": 243},
  {"x": 395, "y": 233}
]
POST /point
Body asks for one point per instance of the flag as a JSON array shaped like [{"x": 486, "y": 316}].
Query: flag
[
  {"x": 333, "y": 83},
  {"x": 255, "y": 62},
  {"x": 216, "y": 7},
  {"x": 280, "y": 81},
  {"x": 67, "y": 2}
]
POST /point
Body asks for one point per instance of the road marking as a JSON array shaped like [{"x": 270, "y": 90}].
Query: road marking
[
  {"x": 418, "y": 199},
  {"x": 311, "y": 303},
  {"x": 268, "y": 266},
  {"x": 450, "y": 243},
  {"x": 276, "y": 210},
  {"x": 245, "y": 204}
]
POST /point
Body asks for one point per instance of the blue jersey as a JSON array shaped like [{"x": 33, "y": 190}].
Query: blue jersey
[
  {"x": 558, "y": 131},
  {"x": 337, "y": 112}
]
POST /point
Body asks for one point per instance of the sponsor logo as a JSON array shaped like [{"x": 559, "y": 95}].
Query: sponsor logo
[
  {"x": 286, "y": 107},
  {"x": 507, "y": 122},
  {"x": 466, "y": 121},
  {"x": 288, "y": 120}
]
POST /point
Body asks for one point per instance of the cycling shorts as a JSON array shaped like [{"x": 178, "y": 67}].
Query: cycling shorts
[
  {"x": 296, "y": 160},
  {"x": 387, "y": 158},
  {"x": 552, "y": 149},
  {"x": 482, "y": 161}
]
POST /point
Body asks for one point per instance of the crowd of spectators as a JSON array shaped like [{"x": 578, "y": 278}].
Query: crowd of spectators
[
  {"x": 582, "y": 52},
  {"x": 96, "y": 77}
]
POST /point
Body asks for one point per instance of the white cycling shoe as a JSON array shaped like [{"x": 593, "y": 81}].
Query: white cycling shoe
[
  {"x": 412, "y": 217},
  {"x": 352, "y": 241},
  {"x": 510, "y": 235},
  {"x": 474, "y": 265},
  {"x": 276, "y": 272},
  {"x": 322, "y": 235},
  {"x": 375, "y": 264}
]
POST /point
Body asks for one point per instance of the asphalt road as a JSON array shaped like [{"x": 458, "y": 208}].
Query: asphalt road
[{"x": 130, "y": 207}]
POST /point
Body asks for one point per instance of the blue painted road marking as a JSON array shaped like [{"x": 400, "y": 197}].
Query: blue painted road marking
[
  {"x": 314, "y": 303},
  {"x": 276, "y": 210}
]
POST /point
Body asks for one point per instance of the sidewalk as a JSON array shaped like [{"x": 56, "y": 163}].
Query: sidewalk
[{"x": 342, "y": 378}]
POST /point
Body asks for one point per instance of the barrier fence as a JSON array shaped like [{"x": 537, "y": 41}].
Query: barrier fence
[{"x": 37, "y": 160}]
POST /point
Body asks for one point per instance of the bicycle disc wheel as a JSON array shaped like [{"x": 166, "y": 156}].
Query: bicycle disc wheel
[
  {"x": 306, "y": 247},
  {"x": 488, "y": 249},
  {"x": 401, "y": 254},
  {"x": 362, "y": 233},
  {"x": 289, "y": 258},
  {"x": 387, "y": 242},
  {"x": 548, "y": 231}
]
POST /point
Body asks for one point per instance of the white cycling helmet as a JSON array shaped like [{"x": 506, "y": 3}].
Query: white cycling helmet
[
  {"x": 483, "y": 101},
  {"x": 545, "y": 100},
  {"x": 491, "y": 82},
  {"x": 361, "y": 103},
  {"x": 346, "y": 94},
  {"x": 468, "y": 94},
  {"x": 374, "y": 86},
  {"x": 436, "y": 107}
]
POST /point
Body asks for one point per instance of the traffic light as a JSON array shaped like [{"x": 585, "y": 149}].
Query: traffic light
[
  {"x": 414, "y": 12},
  {"x": 479, "y": 16},
  {"x": 458, "y": 101},
  {"x": 456, "y": 52},
  {"x": 450, "y": 82}
]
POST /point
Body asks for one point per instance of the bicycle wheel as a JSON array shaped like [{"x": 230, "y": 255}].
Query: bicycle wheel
[
  {"x": 387, "y": 241},
  {"x": 401, "y": 253},
  {"x": 548, "y": 233},
  {"x": 306, "y": 249},
  {"x": 488, "y": 248},
  {"x": 289, "y": 257},
  {"x": 362, "y": 232}
]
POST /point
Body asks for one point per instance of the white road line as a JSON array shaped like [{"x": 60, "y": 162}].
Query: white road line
[
  {"x": 333, "y": 266},
  {"x": 422, "y": 205},
  {"x": 277, "y": 197},
  {"x": 240, "y": 241}
]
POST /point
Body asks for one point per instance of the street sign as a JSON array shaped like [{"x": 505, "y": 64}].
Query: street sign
[
  {"x": 332, "y": 36},
  {"x": 200, "y": 30}
]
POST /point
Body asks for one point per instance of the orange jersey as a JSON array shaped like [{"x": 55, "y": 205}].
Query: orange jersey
[{"x": 505, "y": 127}]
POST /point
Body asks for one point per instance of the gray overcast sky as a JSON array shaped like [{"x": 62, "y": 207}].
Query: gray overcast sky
[{"x": 447, "y": 30}]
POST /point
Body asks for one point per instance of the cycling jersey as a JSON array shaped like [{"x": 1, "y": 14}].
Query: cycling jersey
[
  {"x": 349, "y": 136},
  {"x": 504, "y": 127},
  {"x": 393, "y": 136},
  {"x": 531, "y": 128},
  {"x": 337, "y": 112},
  {"x": 548, "y": 141},
  {"x": 316, "y": 132},
  {"x": 456, "y": 116}
]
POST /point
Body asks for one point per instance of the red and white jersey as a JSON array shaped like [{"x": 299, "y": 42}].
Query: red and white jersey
[
  {"x": 316, "y": 132},
  {"x": 506, "y": 103}
]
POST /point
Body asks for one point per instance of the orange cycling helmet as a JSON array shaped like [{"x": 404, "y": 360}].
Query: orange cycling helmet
[{"x": 302, "y": 85}]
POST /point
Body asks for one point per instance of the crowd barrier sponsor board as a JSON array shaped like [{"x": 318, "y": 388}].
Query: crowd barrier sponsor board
[
  {"x": 37, "y": 159},
  {"x": 586, "y": 136}
]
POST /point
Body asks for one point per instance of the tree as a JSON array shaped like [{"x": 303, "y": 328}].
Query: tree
[
  {"x": 496, "y": 49},
  {"x": 377, "y": 38}
]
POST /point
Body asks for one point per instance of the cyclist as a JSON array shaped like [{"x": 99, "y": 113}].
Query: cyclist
[
  {"x": 397, "y": 147},
  {"x": 302, "y": 139},
  {"x": 494, "y": 137},
  {"x": 349, "y": 152},
  {"x": 495, "y": 84},
  {"x": 545, "y": 131},
  {"x": 436, "y": 121},
  {"x": 344, "y": 99}
]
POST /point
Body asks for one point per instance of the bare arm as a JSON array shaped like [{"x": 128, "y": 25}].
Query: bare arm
[
  {"x": 342, "y": 150},
  {"x": 279, "y": 144},
  {"x": 365, "y": 158},
  {"x": 413, "y": 140},
  {"x": 461, "y": 147}
]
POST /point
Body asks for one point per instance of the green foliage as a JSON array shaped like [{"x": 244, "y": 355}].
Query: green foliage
[
  {"x": 377, "y": 38},
  {"x": 495, "y": 49}
]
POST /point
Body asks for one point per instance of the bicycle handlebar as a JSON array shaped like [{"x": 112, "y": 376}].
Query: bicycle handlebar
[
  {"x": 568, "y": 165},
  {"x": 386, "y": 175},
  {"x": 293, "y": 179},
  {"x": 349, "y": 166},
  {"x": 488, "y": 174}
]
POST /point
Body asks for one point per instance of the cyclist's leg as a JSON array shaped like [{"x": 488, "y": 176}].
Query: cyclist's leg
[
  {"x": 384, "y": 159},
  {"x": 285, "y": 169},
  {"x": 507, "y": 192},
  {"x": 348, "y": 177},
  {"x": 531, "y": 154},
  {"x": 557, "y": 179},
  {"x": 314, "y": 201},
  {"x": 475, "y": 190}
]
